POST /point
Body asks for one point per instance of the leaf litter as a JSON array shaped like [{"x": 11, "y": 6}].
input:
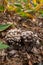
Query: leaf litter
[{"x": 25, "y": 40}]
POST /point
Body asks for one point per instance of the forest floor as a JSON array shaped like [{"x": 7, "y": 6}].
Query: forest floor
[{"x": 25, "y": 39}]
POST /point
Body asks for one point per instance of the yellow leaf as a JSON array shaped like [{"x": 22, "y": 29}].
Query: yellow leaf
[
  {"x": 12, "y": 1},
  {"x": 38, "y": 7},
  {"x": 30, "y": 6},
  {"x": 41, "y": 1},
  {"x": 28, "y": 1},
  {"x": 5, "y": 2},
  {"x": 11, "y": 8},
  {"x": 30, "y": 15},
  {"x": 34, "y": 2}
]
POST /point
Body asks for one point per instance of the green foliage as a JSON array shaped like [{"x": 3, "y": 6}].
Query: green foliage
[
  {"x": 42, "y": 15},
  {"x": 3, "y": 46},
  {"x": 2, "y": 8},
  {"x": 28, "y": 6},
  {"x": 25, "y": 1},
  {"x": 41, "y": 12},
  {"x": 18, "y": 5},
  {"x": 22, "y": 14},
  {"x": 4, "y": 26}
]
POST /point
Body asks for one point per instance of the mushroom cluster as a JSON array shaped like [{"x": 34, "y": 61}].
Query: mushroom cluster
[{"x": 25, "y": 41}]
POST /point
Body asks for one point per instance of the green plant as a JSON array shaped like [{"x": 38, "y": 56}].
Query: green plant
[
  {"x": 3, "y": 45},
  {"x": 29, "y": 7},
  {"x": 2, "y": 28}
]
